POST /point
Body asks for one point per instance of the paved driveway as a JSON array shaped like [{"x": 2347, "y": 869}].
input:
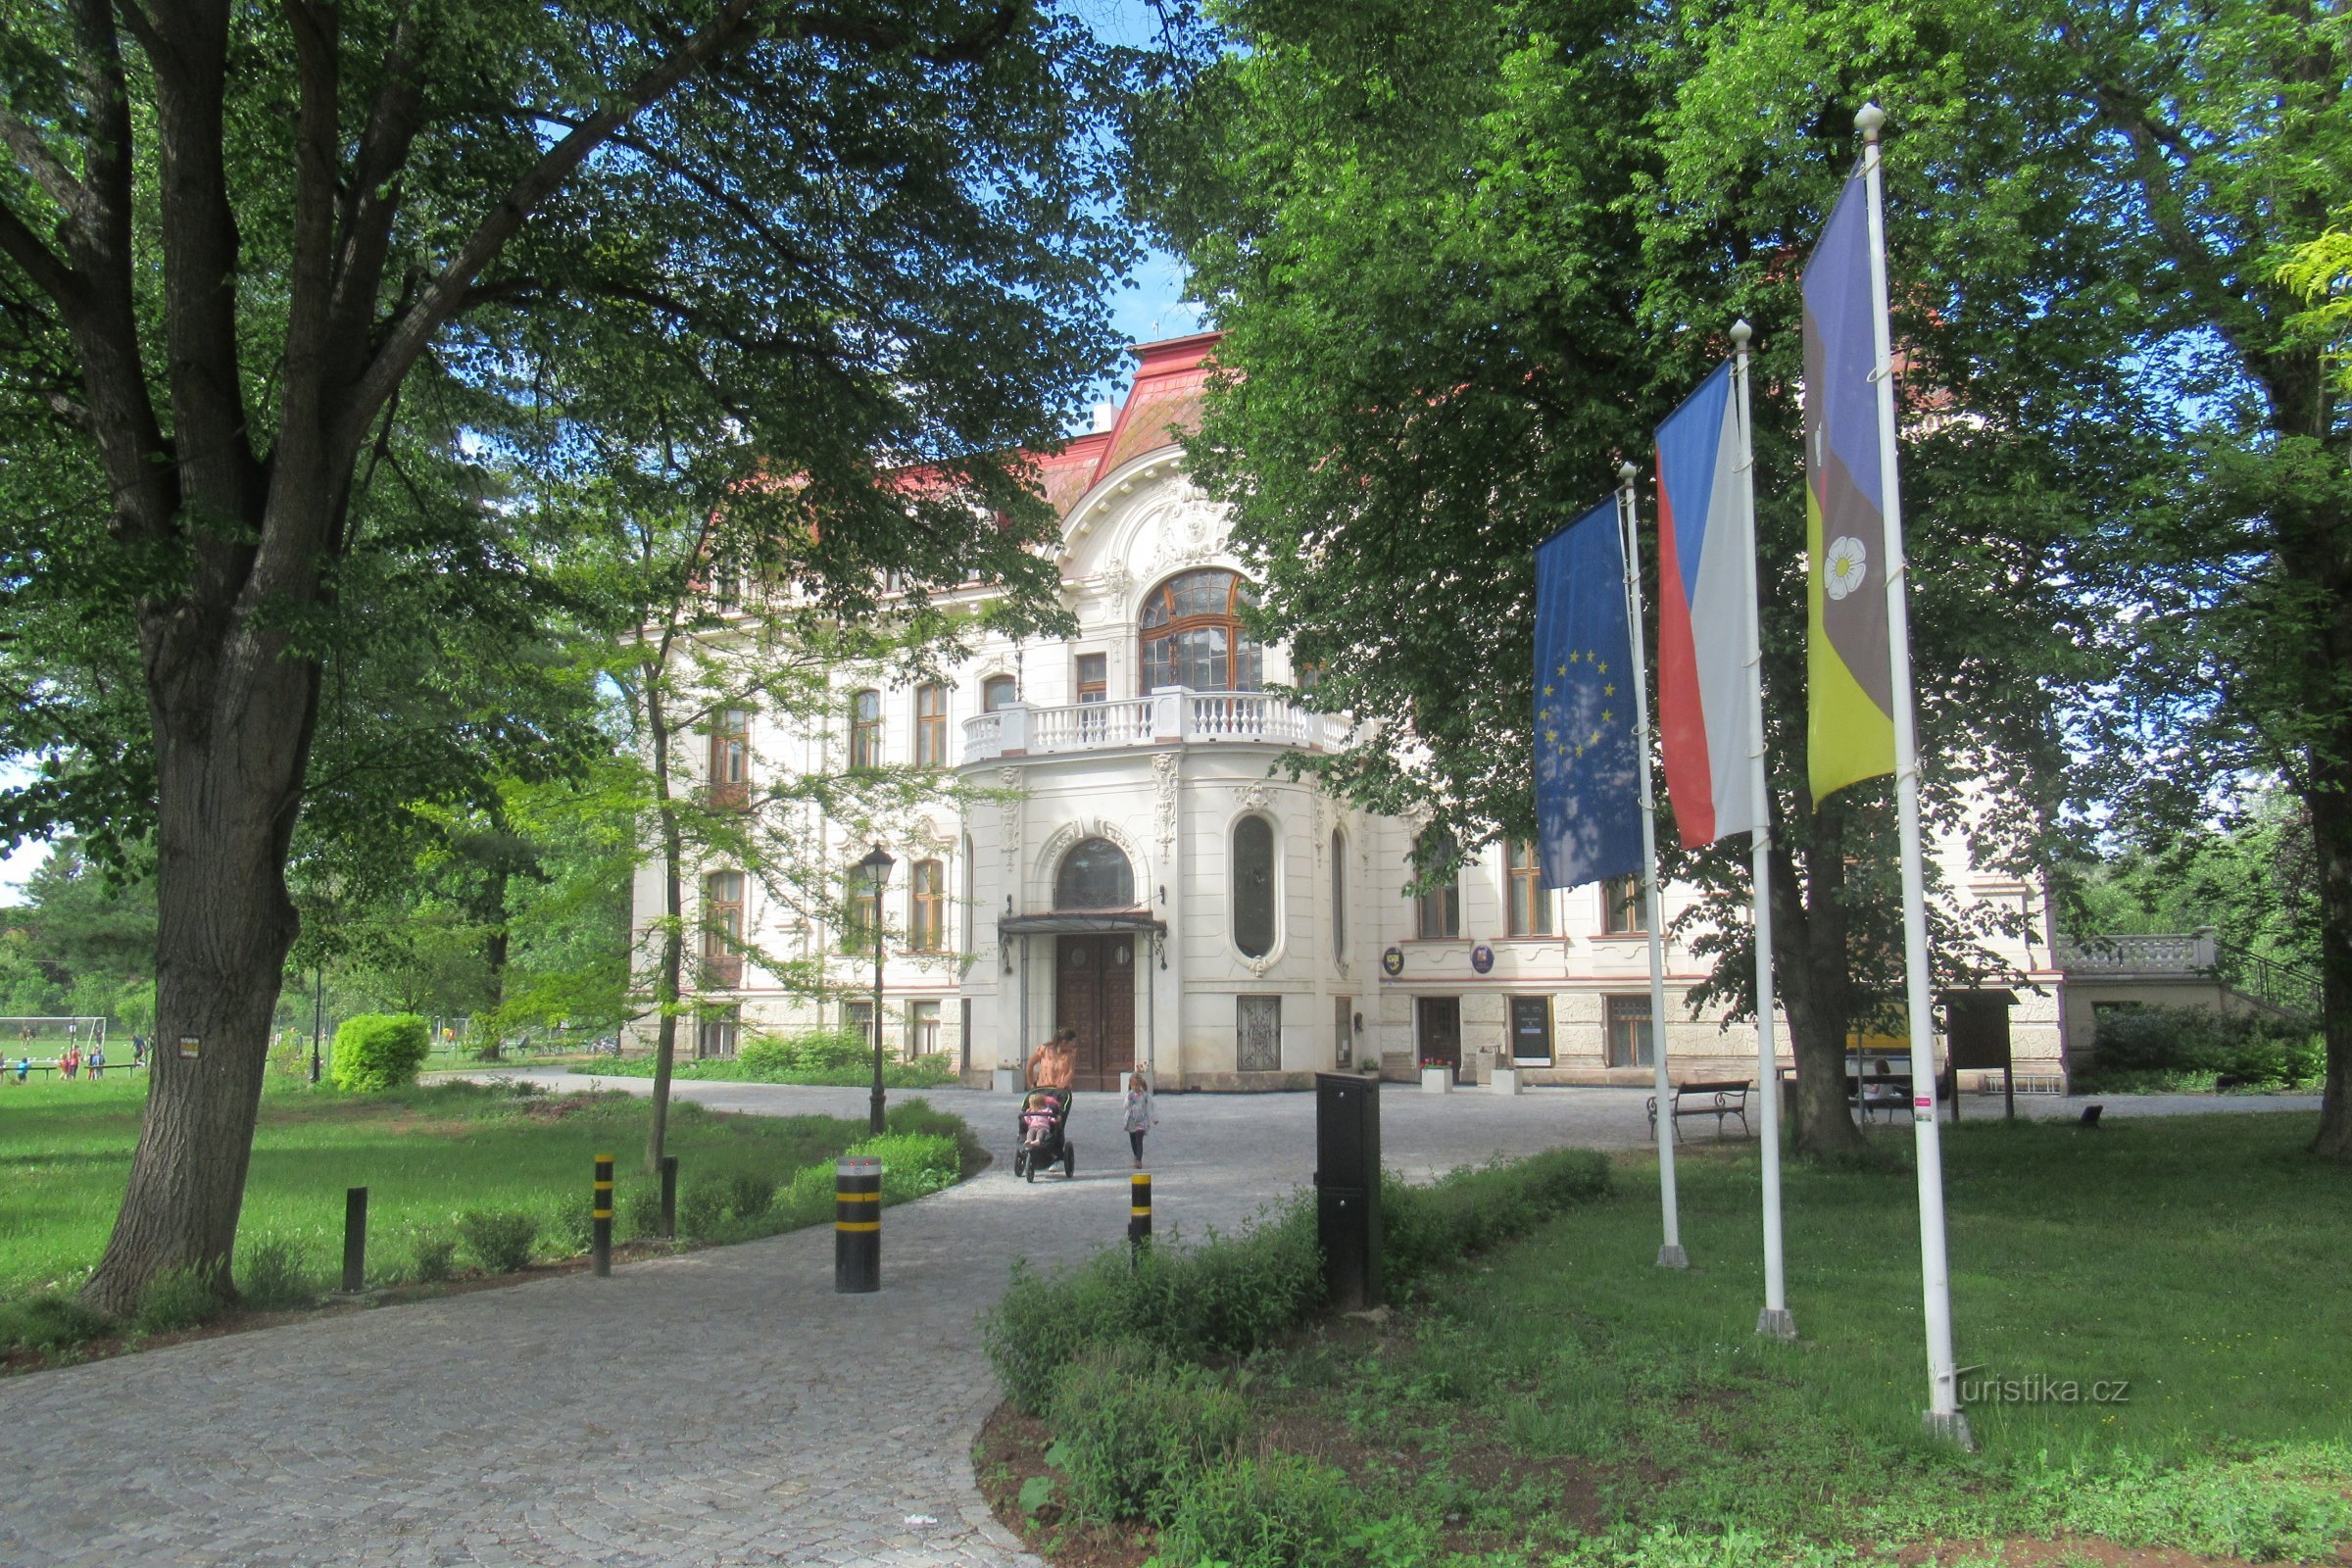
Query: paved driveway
[{"x": 717, "y": 1407}]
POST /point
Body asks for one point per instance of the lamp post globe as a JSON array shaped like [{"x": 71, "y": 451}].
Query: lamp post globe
[{"x": 876, "y": 869}]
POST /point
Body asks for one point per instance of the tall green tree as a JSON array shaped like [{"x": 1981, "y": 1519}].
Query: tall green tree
[
  {"x": 247, "y": 250},
  {"x": 1466, "y": 254}
]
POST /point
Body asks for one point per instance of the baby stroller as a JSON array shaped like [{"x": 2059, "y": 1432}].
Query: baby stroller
[{"x": 1043, "y": 1142}]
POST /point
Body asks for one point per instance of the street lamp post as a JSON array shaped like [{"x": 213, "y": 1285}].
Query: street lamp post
[{"x": 876, "y": 866}]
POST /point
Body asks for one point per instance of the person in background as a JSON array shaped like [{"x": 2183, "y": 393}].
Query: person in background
[
  {"x": 71, "y": 1063},
  {"x": 138, "y": 1051},
  {"x": 97, "y": 1063},
  {"x": 23, "y": 1067},
  {"x": 1140, "y": 1117},
  {"x": 1055, "y": 1064}
]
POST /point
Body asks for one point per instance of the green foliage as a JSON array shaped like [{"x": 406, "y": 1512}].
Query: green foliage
[
  {"x": 1133, "y": 1431},
  {"x": 748, "y": 1195},
  {"x": 1277, "y": 1512},
  {"x": 379, "y": 1052},
  {"x": 179, "y": 1297},
  {"x": 1424, "y": 1229},
  {"x": 436, "y": 1257},
  {"x": 913, "y": 1164},
  {"x": 498, "y": 1240},
  {"x": 768, "y": 1066},
  {"x": 2140, "y": 1049},
  {"x": 49, "y": 1321},
  {"x": 273, "y": 1275},
  {"x": 701, "y": 1208},
  {"x": 1224, "y": 1298},
  {"x": 769, "y": 1057}
]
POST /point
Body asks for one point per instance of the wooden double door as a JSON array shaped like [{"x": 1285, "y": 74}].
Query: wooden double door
[{"x": 1094, "y": 992}]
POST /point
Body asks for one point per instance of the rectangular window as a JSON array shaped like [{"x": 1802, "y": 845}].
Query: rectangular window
[
  {"x": 996, "y": 691},
  {"x": 927, "y": 932},
  {"x": 922, "y": 1028},
  {"x": 1529, "y": 901},
  {"x": 1628, "y": 1042},
  {"x": 1438, "y": 914},
  {"x": 865, "y": 731},
  {"x": 858, "y": 1019},
  {"x": 1342, "y": 1032},
  {"x": 722, "y": 928},
  {"x": 931, "y": 726},
  {"x": 716, "y": 1032},
  {"x": 731, "y": 757},
  {"x": 1621, "y": 908},
  {"x": 1257, "y": 1023},
  {"x": 1530, "y": 1031},
  {"x": 1094, "y": 679}
]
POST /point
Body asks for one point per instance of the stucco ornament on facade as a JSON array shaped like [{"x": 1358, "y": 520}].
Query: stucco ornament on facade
[
  {"x": 1163, "y": 787},
  {"x": 1188, "y": 529},
  {"x": 1010, "y": 779}
]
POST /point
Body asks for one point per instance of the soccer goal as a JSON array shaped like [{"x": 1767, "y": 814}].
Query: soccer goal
[{"x": 55, "y": 1033}]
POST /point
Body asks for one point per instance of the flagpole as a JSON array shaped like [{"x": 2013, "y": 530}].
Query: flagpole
[
  {"x": 1670, "y": 1252},
  {"x": 1945, "y": 1417},
  {"x": 1775, "y": 1319}
]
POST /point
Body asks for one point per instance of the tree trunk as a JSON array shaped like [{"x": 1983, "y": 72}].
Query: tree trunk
[
  {"x": 232, "y": 732},
  {"x": 2331, "y": 840},
  {"x": 1808, "y": 938},
  {"x": 669, "y": 985}
]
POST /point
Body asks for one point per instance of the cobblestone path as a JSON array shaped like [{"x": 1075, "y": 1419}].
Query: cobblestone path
[{"x": 717, "y": 1407}]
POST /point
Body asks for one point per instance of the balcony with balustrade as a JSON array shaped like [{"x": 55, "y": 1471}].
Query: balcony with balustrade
[{"x": 1173, "y": 716}]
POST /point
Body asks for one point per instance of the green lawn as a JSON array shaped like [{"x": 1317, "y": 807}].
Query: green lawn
[
  {"x": 424, "y": 1154},
  {"x": 1562, "y": 1400},
  {"x": 2202, "y": 1260}
]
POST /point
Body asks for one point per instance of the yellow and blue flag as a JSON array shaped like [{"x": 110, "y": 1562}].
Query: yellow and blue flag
[
  {"x": 1849, "y": 719},
  {"x": 1588, "y": 779}
]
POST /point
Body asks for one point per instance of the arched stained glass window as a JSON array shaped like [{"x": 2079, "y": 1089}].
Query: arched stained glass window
[
  {"x": 1253, "y": 886},
  {"x": 1193, "y": 635},
  {"x": 1094, "y": 875}
]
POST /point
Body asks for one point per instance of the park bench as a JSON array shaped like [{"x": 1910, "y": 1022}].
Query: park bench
[
  {"x": 1888, "y": 1092},
  {"x": 1719, "y": 1098}
]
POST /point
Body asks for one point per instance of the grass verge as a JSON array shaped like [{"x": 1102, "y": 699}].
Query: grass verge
[
  {"x": 465, "y": 1181},
  {"x": 1560, "y": 1401}
]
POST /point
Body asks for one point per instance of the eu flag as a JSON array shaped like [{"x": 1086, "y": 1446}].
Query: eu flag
[{"x": 1588, "y": 779}]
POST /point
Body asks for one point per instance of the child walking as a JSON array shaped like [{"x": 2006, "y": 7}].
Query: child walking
[{"x": 1140, "y": 1118}]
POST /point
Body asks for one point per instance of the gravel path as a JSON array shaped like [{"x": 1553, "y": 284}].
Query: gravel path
[{"x": 717, "y": 1408}]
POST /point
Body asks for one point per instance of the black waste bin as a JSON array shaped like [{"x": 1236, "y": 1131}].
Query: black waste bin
[{"x": 1348, "y": 1188}]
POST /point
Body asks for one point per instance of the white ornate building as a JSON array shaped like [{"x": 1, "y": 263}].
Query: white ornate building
[{"x": 1142, "y": 874}]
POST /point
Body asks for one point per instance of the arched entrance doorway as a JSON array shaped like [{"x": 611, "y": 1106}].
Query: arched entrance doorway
[{"x": 1094, "y": 972}]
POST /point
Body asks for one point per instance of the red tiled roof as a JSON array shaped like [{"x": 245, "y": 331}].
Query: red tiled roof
[{"x": 1171, "y": 377}]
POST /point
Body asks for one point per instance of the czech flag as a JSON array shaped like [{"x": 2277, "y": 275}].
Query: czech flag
[{"x": 1706, "y": 612}]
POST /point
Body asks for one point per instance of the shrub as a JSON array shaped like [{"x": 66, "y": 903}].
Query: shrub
[
  {"x": 1131, "y": 1431},
  {"x": 833, "y": 1050},
  {"x": 436, "y": 1257},
  {"x": 1466, "y": 1210},
  {"x": 49, "y": 1322},
  {"x": 273, "y": 1277},
  {"x": 912, "y": 1163},
  {"x": 2141, "y": 1049},
  {"x": 180, "y": 1298},
  {"x": 641, "y": 1212},
  {"x": 1280, "y": 1512},
  {"x": 375, "y": 1051},
  {"x": 1223, "y": 1299},
  {"x": 920, "y": 1116},
  {"x": 748, "y": 1195},
  {"x": 701, "y": 1207},
  {"x": 574, "y": 1228},
  {"x": 498, "y": 1240}
]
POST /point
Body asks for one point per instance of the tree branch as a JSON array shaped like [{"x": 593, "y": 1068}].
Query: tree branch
[
  {"x": 44, "y": 267},
  {"x": 47, "y": 170}
]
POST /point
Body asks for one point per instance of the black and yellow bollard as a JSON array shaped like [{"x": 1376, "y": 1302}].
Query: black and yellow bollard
[
  {"x": 355, "y": 1240},
  {"x": 857, "y": 1224},
  {"x": 1139, "y": 1212},
  {"x": 602, "y": 1214},
  {"x": 669, "y": 1196}
]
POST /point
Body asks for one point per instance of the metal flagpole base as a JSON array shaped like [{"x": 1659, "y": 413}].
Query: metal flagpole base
[
  {"x": 1673, "y": 1257},
  {"x": 1776, "y": 1323},
  {"x": 1952, "y": 1429}
]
